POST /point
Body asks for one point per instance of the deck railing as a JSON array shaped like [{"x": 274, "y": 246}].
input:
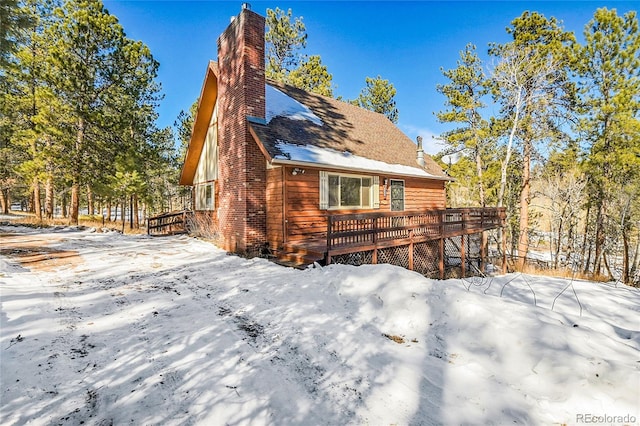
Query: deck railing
[
  {"x": 368, "y": 231},
  {"x": 168, "y": 223}
]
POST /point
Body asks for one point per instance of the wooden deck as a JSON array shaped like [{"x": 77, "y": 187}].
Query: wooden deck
[{"x": 351, "y": 233}]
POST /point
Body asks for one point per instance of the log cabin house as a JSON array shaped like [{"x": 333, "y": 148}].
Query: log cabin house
[{"x": 307, "y": 177}]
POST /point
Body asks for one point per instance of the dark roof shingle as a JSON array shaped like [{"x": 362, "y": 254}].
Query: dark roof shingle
[{"x": 345, "y": 127}]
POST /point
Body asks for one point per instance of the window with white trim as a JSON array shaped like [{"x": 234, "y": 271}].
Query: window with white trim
[
  {"x": 346, "y": 191},
  {"x": 205, "y": 197}
]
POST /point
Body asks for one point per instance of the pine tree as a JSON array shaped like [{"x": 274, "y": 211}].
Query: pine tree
[
  {"x": 105, "y": 82},
  {"x": 532, "y": 84},
  {"x": 13, "y": 22},
  {"x": 285, "y": 37},
  {"x": 465, "y": 91},
  {"x": 32, "y": 100},
  {"x": 609, "y": 66},
  {"x": 312, "y": 76},
  {"x": 378, "y": 96}
]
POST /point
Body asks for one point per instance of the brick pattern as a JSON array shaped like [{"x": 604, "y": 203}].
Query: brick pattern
[{"x": 242, "y": 174}]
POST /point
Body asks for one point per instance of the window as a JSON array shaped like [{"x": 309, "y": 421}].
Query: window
[
  {"x": 205, "y": 197},
  {"x": 397, "y": 195},
  {"x": 348, "y": 191}
]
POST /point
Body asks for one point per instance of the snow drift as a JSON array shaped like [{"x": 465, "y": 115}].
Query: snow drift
[{"x": 172, "y": 330}]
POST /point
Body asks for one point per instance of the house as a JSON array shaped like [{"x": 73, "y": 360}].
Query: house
[{"x": 271, "y": 165}]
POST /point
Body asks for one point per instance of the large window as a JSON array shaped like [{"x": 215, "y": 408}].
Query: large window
[{"x": 348, "y": 191}]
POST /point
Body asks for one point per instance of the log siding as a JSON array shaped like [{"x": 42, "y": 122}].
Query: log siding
[{"x": 303, "y": 218}]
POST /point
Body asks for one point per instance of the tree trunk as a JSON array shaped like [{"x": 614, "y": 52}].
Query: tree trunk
[
  {"x": 585, "y": 242},
  {"x": 90, "y": 201},
  {"x": 570, "y": 242},
  {"x": 123, "y": 212},
  {"x": 4, "y": 201},
  {"x": 75, "y": 186},
  {"x": 479, "y": 173},
  {"x": 600, "y": 237},
  {"x": 634, "y": 262},
  {"x": 131, "y": 211},
  {"x": 558, "y": 244},
  {"x": 48, "y": 198},
  {"x": 48, "y": 187},
  {"x": 75, "y": 202},
  {"x": 37, "y": 205},
  {"x": 136, "y": 213},
  {"x": 625, "y": 257},
  {"x": 109, "y": 210},
  {"x": 606, "y": 265},
  {"x": 63, "y": 204},
  {"x": 505, "y": 163},
  {"x": 525, "y": 194}
]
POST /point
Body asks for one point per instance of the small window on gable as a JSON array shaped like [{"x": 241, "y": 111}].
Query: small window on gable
[
  {"x": 205, "y": 197},
  {"x": 343, "y": 191}
]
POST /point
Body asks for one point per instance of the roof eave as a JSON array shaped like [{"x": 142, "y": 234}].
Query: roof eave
[
  {"x": 206, "y": 105},
  {"x": 298, "y": 163}
]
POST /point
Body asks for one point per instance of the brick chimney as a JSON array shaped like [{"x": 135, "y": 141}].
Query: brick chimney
[{"x": 241, "y": 94}]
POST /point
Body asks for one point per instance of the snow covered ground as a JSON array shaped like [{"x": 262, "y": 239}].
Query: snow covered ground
[{"x": 100, "y": 329}]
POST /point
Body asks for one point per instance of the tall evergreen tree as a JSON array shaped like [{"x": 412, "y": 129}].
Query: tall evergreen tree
[
  {"x": 33, "y": 100},
  {"x": 96, "y": 72},
  {"x": 13, "y": 22},
  {"x": 285, "y": 37},
  {"x": 465, "y": 91},
  {"x": 533, "y": 86},
  {"x": 312, "y": 76},
  {"x": 609, "y": 66},
  {"x": 378, "y": 96}
]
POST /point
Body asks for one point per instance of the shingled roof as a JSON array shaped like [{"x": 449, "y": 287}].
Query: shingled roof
[
  {"x": 343, "y": 128},
  {"x": 330, "y": 125}
]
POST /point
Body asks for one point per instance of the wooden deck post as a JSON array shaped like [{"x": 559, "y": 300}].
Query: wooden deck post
[
  {"x": 411, "y": 250},
  {"x": 463, "y": 258},
  {"x": 329, "y": 226},
  {"x": 504, "y": 252},
  {"x": 483, "y": 251},
  {"x": 441, "y": 258},
  {"x": 374, "y": 257}
]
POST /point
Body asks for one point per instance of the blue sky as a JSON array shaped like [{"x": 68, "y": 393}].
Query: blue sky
[{"x": 406, "y": 43}]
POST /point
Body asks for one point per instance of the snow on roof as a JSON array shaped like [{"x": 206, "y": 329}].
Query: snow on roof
[
  {"x": 331, "y": 157},
  {"x": 279, "y": 104}
]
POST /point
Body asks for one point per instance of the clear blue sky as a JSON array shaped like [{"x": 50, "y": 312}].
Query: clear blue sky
[{"x": 406, "y": 43}]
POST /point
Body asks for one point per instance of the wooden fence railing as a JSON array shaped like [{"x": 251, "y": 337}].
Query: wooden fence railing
[
  {"x": 370, "y": 231},
  {"x": 168, "y": 223}
]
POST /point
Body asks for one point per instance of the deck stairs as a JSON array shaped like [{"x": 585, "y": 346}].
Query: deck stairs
[
  {"x": 301, "y": 254},
  {"x": 171, "y": 223}
]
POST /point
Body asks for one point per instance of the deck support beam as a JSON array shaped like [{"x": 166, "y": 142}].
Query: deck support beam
[
  {"x": 441, "y": 258},
  {"x": 463, "y": 259},
  {"x": 411, "y": 250}
]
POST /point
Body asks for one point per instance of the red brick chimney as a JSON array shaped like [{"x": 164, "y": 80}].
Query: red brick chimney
[{"x": 242, "y": 172}]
